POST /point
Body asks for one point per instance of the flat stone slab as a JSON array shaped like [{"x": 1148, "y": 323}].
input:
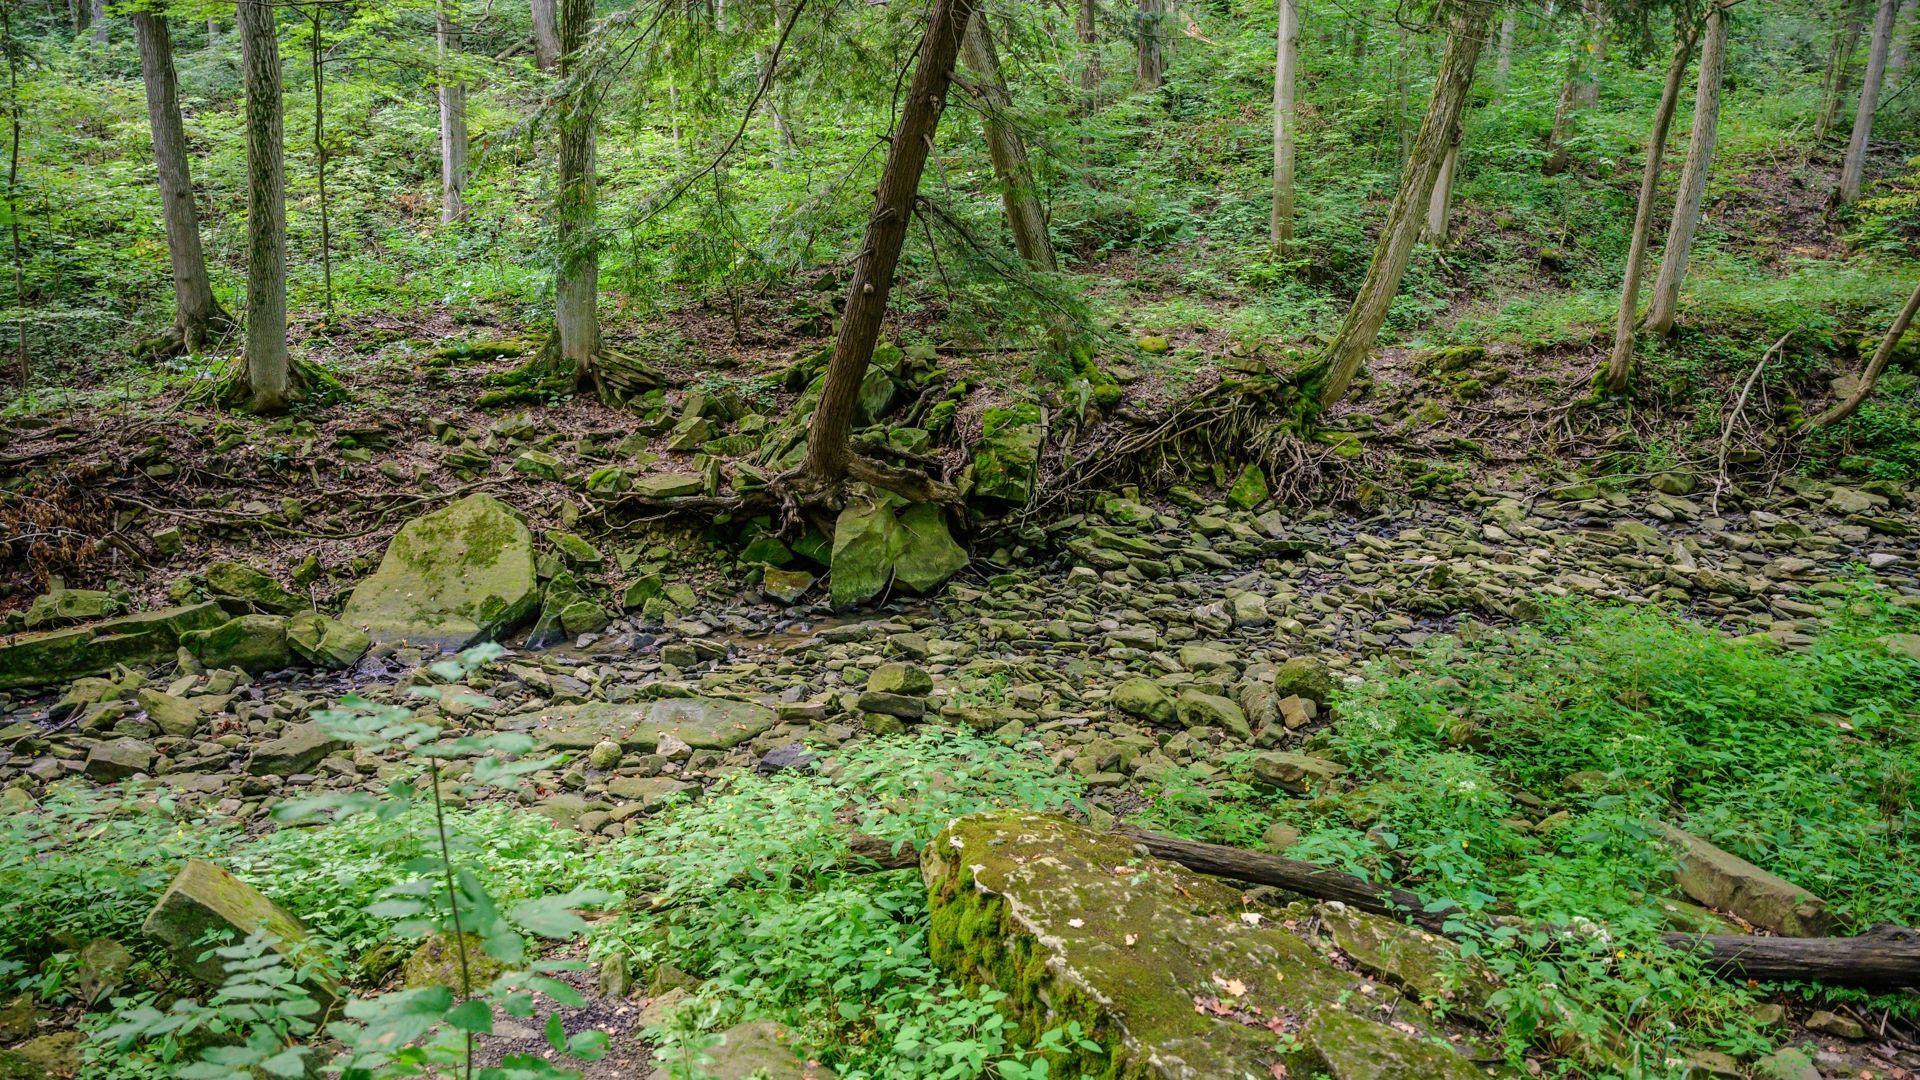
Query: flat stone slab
[
  {"x": 1171, "y": 972},
  {"x": 64, "y": 655},
  {"x": 459, "y": 575},
  {"x": 1725, "y": 882},
  {"x": 703, "y": 723}
]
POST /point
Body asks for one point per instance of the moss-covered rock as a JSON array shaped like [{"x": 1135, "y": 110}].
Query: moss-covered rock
[
  {"x": 1170, "y": 972},
  {"x": 246, "y": 589},
  {"x": 252, "y": 643},
  {"x": 435, "y": 962},
  {"x": 450, "y": 578},
  {"x": 1008, "y": 455},
  {"x": 325, "y": 642},
  {"x": 205, "y": 899},
  {"x": 701, "y": 722},
  {"x": 928, "y": 553},
  {"x": 63, "y": 606},
  {"x": 63, "y": 655},
  {"x": 867, "y": 539}
]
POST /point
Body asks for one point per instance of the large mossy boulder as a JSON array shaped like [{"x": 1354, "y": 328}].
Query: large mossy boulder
[
  {"x": 451, "y": 578},
  {"x": 325, "y": 642},
  {"x": 928, "y": 553},
  {"x": 63, "y": 606},
  {"x": 64, "y": 655},
  {"x": 1008, "y": 456},
  {"x": 252, "y": 643},
  {"x": 867, "y": 538},
  {"x": 1171, "y": 973}
]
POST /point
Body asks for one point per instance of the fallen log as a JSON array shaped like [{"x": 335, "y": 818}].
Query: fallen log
[{"x": 1885, "y": 957}]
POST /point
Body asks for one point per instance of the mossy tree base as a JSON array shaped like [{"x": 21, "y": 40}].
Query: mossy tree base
[{"x": 307, "y": 383}]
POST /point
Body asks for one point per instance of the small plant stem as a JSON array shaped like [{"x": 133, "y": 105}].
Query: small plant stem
[{"x": 453, "y": 904}]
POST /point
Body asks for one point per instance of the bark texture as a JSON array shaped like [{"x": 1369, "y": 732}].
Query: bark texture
[
  {"x": 1853, "y": 168},
  {"x": 546, "y": 36},
  {"x": 1011, "y": 167},
  {"x": 1881, "y": 358},
  {"x": 453, "y": 119},
  {"x": 1466, "y": 33},
  {"x": 1620, "y": 361},
  {"x": 1582, "y": 87},
  {"x": 1085, "y": 27},
  {"x": 577, "y": 274},
  {"x": 1150, "y": 61},
  {"x": 1664, "y": 308},
  {"x": 1503, "y": 64},
  {"x": 269, "y": 374},
  {"x": 99, "y": 21},
  {"x": 1440, "y": 202},
  {"x": 1850, "y": 17},
  {"x": 873, "y": 271},
  {"x": 1286, "y": 63},
  {"x": 197, "y": 317}
]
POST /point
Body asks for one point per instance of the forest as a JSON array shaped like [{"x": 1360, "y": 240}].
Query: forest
[{"x": 950, "y": 539}]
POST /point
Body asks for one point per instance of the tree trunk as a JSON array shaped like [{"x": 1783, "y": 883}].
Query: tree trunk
[
  {"x": 1582, "y": 88},
  {"x": 1902, "y": 53},
  {"x": 546, "y": 36},
  {"x": 1850, "y": 18},
  {"x": 1004, "y": 147},
  {"x": 1466, "y": 33},
  {"x": 1085, "y": 26},
  {"x": 1665, "y": 304},
  {"x": 1503, "y": 66},
  {"x": 1285, "y": 64},
  {"x": 316, "y": 55},
  {"x": 269, "y": 376},
  {"x": 1150, "y": 69},
  {"x": 1619, "y": 364},
  {"x": 197, "y": 316},
  {"x": 1854, "y": 167},
  {"x": 1440, "y": 203},
  {"x": 78, "y": 11},
  {"x": 1881, "y": 357},
  {"x": 577, "y": 274},
  {"x": 99, "y": 21},
  {"x": 453, "y": 120},
  {"x": 873, "y": 271}
]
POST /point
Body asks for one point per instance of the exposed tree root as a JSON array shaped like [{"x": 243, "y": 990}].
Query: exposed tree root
[
  {"x": 1257, "y": 419},
  {"x": 615, "y": 377},
  {"x": 232, "y": 389}
]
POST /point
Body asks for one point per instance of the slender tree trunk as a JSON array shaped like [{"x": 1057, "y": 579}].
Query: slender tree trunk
[
  {"x": 1467, "y": 25},
  {"x": 1663, "y": 308},
  {"x": 22, "y": 374},
  {"x": 1902, "y": 53},
  {"x": 1850, "y": 18},
  {"x": 546, "y": 36},
  {"x": 1588, "y": 92},
  {"x": 873, "y": 271},
  {"x": 1503, "y": 66},
  {"x": 1440, "y": 202},
  {"x": 1619, "y": 364},
  {"x": 1285, "y": 64},
  {"x": 1853, "y": 169},
  {"x": 1402, "y": 90},
  {"x": 79, "y": 12},
  {"x": 1582, "y": 86},
  {"x": 453, "y": 120},
  {"x": 197, "y": 316},
  {"x": 1881, "y": 357},
  {"x": 269, "y": 376},
  {"x": 316, "y": 55},
  {"x": 99, "y": 21},
  {"x": 1150, "y": 69},
  {"x": 1025, "y": 216},
  {"x": 213, "y": 32},
  {"x": 1086, "y": 28},
  {"x": 577, "y": 278}
]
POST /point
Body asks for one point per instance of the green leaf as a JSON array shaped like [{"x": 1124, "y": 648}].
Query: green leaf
[
  {"x": 556, "y": 1033},
  {"x": 472, "y": 1015},
  {"x": 288, "y": 1063},
  {"x": 589, "y": 1045}
]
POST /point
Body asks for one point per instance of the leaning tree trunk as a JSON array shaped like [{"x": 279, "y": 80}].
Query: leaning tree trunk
[
  {"x": 1620, "y": 362},
  {"x": 827, "y": 455},
  {"x": 1466, "y": 33},
  {"x": 1854, "y": 167},
  {"x": 546, "y": 36},
  {"x": 1881, "y": 357},
  {"x": 1150, "y": 67},
  {"x": 577, "y": 276},
  {"x": 197, "y": 316},
  {"x": 1285, "y": 64},
  {"x": 1025, "y": 216},
  {"x": 1850, "y": 18},
  {"x": 1440, "y": 203},
  {"x": 453, "y": 120},
  {"x": 268, "y": 373},
  {"x": 1662, "y": 310}
]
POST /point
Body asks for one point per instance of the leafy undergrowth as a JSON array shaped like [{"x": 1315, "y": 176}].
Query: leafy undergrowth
[{"x": 1520, "y": 774}]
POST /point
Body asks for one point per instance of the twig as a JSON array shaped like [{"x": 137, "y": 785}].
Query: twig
[{"x": 1726, "y": 433}]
